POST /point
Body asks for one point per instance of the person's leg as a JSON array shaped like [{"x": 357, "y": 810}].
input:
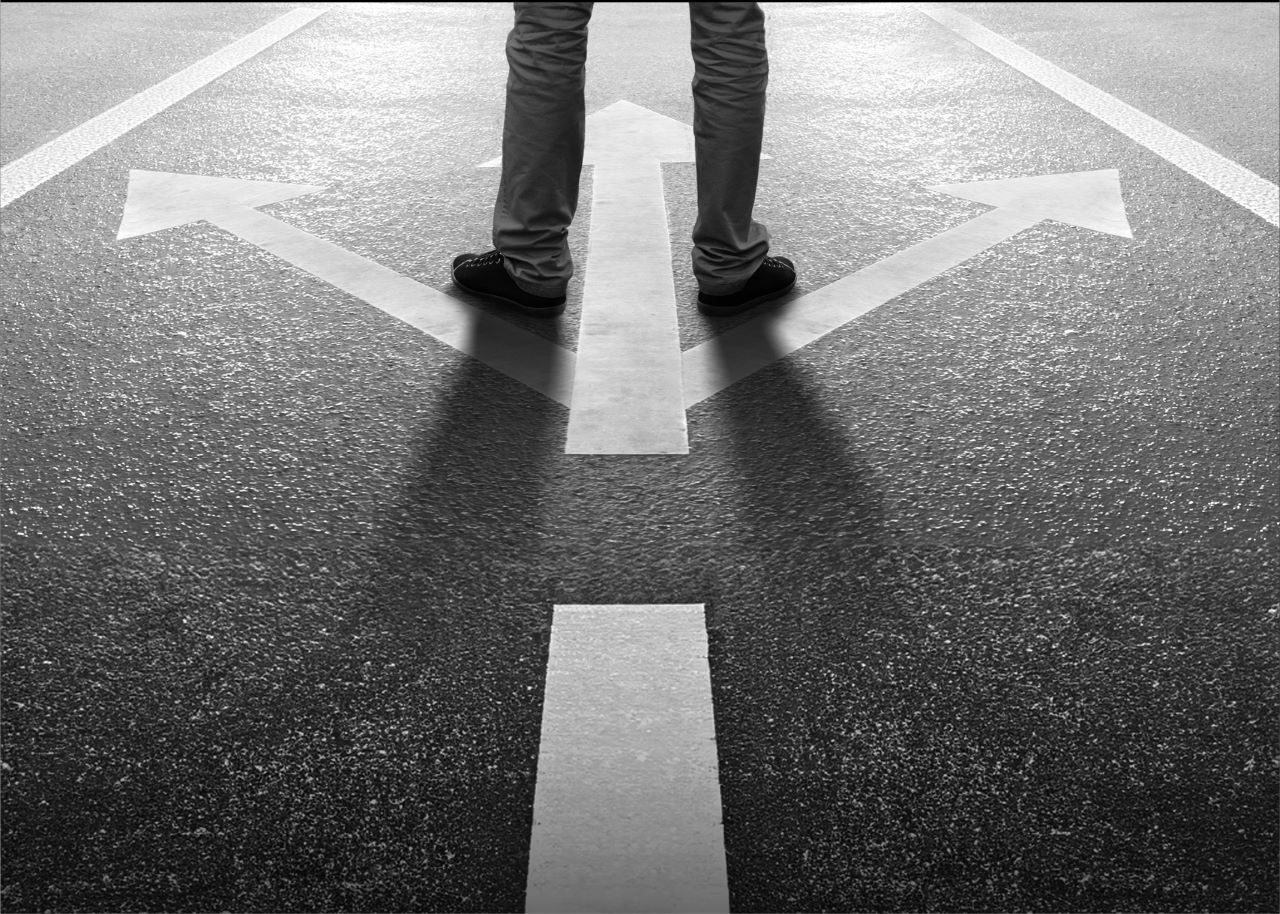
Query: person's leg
[
  {"x": 731, "y": 72},
  {"x": 542, "y": 140}
]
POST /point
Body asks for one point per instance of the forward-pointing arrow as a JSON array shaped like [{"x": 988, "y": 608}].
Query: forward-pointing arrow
[
  {"x": 626, "y": 389},
  {"x": 1089, "y": 199},
  {"x": 627, "y": 392},
  {"x": 161, "y": 200}
]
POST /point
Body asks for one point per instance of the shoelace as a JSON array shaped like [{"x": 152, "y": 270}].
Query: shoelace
[{"x": 484, "y": 260}]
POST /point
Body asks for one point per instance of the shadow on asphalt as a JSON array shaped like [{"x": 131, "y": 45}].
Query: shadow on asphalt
[
  {"x": 805, "y": 494},
  {"x": 459, "y": 574},
  {"x": 468, "y": 533}
]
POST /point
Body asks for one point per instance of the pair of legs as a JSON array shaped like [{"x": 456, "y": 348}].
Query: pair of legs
[{"x": 545, "y": 129}]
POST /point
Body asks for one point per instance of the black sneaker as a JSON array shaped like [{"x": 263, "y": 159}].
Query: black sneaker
[
  {"x": 773, "y": 279},
  {"x": 485, "y": 275}
]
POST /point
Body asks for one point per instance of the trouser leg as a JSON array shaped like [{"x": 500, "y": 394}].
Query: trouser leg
[
  {"x": 731, "y": 73},
  {"x": 542, "y": 140}
]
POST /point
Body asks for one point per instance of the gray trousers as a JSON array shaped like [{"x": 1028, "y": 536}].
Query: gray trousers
[{"x": 545, "y": 129}]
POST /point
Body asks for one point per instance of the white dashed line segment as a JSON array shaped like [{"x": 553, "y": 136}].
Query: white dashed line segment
[{"x": 627, "y": 813}]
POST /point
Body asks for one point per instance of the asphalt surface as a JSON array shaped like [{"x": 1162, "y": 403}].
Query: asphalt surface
[{"x": 990, "y": 573}]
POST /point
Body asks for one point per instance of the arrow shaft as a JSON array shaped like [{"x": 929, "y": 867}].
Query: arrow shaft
[
  {"x": 627, "y": 395},
  {"x": 732, "y": 356},
  {"x": 527, "y": 358}
]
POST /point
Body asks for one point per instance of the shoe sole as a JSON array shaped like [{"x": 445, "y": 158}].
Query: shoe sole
[
  {"x": 729, "y": 310},
  {"x": 535, "y": 311}
]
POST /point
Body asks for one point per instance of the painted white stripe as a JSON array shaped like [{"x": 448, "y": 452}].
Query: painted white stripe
[
  {"x": 627, "y": 389},
  {"x": 33, "y": 169},
  {"x": 626, "y": 395},
  {"x": 627, "y": 813},
  {"x": 1251, "y": 191}
]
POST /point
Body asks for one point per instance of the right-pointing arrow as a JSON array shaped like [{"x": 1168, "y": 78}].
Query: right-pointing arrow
[{"x": 1089, "y": 199}]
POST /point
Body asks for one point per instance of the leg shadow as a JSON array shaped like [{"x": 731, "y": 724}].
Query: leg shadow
[
  {"x": 814, "y": 557},
  {"x": 809, "y": 501},
  {"x": 462, "y": 592},
  {"x": 473, "y": 497}
]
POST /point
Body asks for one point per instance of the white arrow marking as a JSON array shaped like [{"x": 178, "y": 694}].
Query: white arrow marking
[
  {"x": 626, "y": 391},
  {"x": 1087, "y": 199},
  {"x": 634, "y": 403},
  {"x": 626, "y": 812},
  {"x": 160, "y": 200},
  {"x": 627, "y": 396}
]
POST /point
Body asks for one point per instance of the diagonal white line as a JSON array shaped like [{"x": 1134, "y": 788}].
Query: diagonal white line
[
  {"x": 1251, "y": 191},
  {"x": 33, "y": 169}
]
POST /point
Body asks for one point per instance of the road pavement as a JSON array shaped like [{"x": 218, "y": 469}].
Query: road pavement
[{"x": 989, "y": 572}]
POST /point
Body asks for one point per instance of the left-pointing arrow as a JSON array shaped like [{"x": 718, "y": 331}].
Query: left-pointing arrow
[{"x": 162, "y": 200}]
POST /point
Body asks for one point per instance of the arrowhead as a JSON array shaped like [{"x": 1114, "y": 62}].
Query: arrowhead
[
  {"x": 628, "y": 132},
  {"x": 1089, "y": 199},
  {"x": 159, "y": 199}
]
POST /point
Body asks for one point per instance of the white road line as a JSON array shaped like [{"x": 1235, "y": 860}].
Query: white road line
[
  {"x": 51, "y": 159},
  {"x": 627, "y": 813},
  {"x": 1254, "y": 193},
  {"x": 627, "y": 397}
]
